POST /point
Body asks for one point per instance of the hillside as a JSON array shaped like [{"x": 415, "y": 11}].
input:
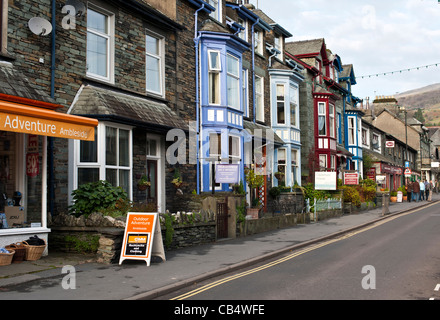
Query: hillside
[{"x": 427, "y": 99}]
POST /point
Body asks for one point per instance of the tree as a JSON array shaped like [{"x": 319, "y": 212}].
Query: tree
[{"x": 419, "y": 115}]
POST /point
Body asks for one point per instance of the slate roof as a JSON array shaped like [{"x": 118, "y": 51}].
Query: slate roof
[
  {"x": 305, "y": 46},
  {"x": 14, "y": 83},
  {"x": 104, "y": 103}
]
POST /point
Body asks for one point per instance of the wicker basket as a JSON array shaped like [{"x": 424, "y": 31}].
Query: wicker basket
[
  {"x": 33, "y": 252},
  {"x": 6, "y": 258},
  {"x": 20, "y": 251}
]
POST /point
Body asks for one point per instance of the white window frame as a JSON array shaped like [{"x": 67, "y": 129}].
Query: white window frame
[
  {"x": 351, "y": 130},
  {"x": 160, "y": 57},
  {"x": 332, "y": 123},
  {"x": 294, "y": 165},
  {"x": 217, "y": 14},
  {"x": 278, "y": 44},
  {"x": 259, "y": 97},
  {"x": 322, "y": 112},
  {"x": 258, "y": 41},
  {"x": 245, "y": 92},
  {"x": 282, "y": 162},
  {"x": 214, "y": 72},
  {"x": 100, "y": 163},
  {"x": 323, "y": 161},
  {"x": 293, "y": 105},
  {"x": 279, "y": 101},
  {"x": 109, "y": 36},
  {"x": 379, "y": 143},
  {"x": 243, "y": 34},
  {"x": 365, "y": 137},
  {"x": 234, "y": 157},
  {"x": 231, "y": 79}
]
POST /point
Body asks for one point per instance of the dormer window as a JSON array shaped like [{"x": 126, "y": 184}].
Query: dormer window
[
  {"x": 279, "y": 46},
  {"x": 217, "y": 14}
]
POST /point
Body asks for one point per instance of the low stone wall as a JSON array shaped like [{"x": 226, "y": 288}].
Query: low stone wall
[
  {"x": 254, "y": 226},
  {"x": 191, "y": 235}
]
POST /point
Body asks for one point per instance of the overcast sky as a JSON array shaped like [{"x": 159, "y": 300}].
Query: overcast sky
[{"x": 376, "y": 36}]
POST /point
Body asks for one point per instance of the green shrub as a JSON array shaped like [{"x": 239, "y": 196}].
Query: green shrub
[
  {"x": 351, "y": 194},
  {"x": 369, "y": 193},
  {"x": 95, "y": 196}
]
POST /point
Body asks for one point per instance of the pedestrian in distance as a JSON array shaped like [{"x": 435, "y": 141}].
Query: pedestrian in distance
[
  {"x": 427, "y": 189},
  {"x": 409, "y": 190},
  {"x": 422, "y": 190},
  {"x": 416, "y": 191}
]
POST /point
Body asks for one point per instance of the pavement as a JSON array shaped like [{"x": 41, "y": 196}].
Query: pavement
[{"x": 135, "y": 280}]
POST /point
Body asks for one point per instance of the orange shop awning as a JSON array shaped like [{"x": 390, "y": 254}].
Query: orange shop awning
[{"x": 34, "y": 120}]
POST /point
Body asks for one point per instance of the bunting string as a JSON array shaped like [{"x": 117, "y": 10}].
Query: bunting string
[{"x": 399, "y": 71}]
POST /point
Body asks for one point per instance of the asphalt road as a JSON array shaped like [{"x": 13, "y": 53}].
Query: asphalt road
[{"x": 398, "y": 259}]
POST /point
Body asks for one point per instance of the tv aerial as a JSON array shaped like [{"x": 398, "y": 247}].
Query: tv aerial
[
  {"x": 40, "y": 26},
  {"x": 80, "y": 7}
]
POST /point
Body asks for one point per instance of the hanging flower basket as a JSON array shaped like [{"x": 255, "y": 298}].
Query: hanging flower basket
[{"x": 143, "y": 183}]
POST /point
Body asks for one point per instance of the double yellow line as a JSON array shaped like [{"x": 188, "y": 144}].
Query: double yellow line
[{"x": 288, "y": 257}]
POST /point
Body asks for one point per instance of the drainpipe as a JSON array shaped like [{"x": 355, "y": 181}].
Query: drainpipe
[
  {"x": 52, "y": 95},
  {"x": 253, "y": 69},
  {"x": 196, "y": 41}
]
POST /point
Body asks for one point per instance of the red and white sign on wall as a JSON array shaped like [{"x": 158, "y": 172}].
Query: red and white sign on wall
[
  {"x": 351, "y": 178},
  {"x": 32, "y": 165},
  {"x": 389, "y": 144}
]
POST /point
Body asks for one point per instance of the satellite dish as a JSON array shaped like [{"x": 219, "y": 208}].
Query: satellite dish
[
  {"x": 80, "y": 8},
  {"x": 40, "y": 26}
]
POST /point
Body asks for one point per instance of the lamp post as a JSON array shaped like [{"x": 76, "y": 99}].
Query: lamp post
[{"x": 406, "y": 140}]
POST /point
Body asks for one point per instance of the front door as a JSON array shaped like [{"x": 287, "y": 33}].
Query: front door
[{"x": 152, "y": 175}]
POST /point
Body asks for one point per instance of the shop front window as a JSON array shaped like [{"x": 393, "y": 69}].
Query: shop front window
[{"x": 21, "y": 191}]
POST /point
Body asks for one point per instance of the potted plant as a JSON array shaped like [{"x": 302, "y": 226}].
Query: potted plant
[
  {"x": 254, "y": 181},
  {"x": 143, "y": 183},
  {"x": 393, "y": 196},
  {"x": 177, "y": 180}
]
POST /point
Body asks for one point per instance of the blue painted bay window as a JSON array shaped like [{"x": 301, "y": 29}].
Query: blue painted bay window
[{"x": 222, "y": 104}]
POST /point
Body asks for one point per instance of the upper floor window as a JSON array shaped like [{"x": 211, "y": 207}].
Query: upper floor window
[
  {"x": 259, "y": 98},
  {"x": 244, "y": 33},
  {"x": 351, "y": 130},
  {"x": 339, "y": 128},
  {"x": 293, "y": 106},
  {"x": 376, "y": 142},
  {"x": 279, "y": 46},
  {"x": 258, "y": 42},
  {"x": 365, "y": 137},
  {"x": 331, "y": 115},
  {"x": 318, "y": 66},
  {"x": 281, "y": 107},
  {"x": 214, "y": 68},
  {"x": 154, "y": 64},
  {"x": 217, "y": 14},
  {"x": 322, "y": 119},
  {"x": 244, "y": 93},
  {"x": 99, "y": 44},
  {"x": 233, "y": 81}
]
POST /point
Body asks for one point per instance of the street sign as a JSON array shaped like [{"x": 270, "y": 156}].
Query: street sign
[
  {"x": 140, "y": 231},
  {"x": 407, "y": 173}
]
